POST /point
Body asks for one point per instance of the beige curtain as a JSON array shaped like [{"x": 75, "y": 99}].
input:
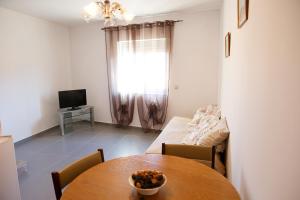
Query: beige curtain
[
  {"x": 121, "y": 104},
  {"x": 138, "y": 59}
]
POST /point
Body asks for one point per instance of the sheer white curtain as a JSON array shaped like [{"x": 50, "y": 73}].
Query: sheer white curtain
[{"x": 143, "y": 71}]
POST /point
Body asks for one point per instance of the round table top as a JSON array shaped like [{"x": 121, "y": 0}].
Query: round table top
[{"x": 187, "y": 179}]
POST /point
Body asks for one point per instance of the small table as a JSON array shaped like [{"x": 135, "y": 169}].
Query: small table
[
  {"x": 67, "y": 116},
  {"x": 187, "y": 179}
]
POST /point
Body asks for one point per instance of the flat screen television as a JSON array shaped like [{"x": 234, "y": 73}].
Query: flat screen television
[{"x": 72, "y": 98}]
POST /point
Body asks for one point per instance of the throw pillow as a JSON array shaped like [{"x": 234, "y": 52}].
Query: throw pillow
[
  {"x": 215, "y": 136},
  {"x": 206, "y": 124}
]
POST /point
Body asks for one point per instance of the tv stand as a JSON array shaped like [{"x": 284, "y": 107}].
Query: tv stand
[
  {"x": 68, "y": 115},
  {"x": 74, "y": 108}
]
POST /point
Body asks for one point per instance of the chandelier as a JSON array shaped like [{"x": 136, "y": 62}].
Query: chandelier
[{"x": 104, "y": 10}]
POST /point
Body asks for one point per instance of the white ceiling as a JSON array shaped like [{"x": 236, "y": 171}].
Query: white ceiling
[{"x": 68, "y": 11}]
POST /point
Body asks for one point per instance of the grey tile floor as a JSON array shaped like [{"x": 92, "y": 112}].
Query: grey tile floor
[{"x": 49, "y": 151}]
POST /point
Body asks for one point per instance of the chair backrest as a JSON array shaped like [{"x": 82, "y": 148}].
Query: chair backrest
[
  {"x": 205, "y": 155},
  {"x": 64, "y": 177}
]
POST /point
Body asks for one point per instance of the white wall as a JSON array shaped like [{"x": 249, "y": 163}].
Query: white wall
[
  {"x": 34, "y": 65},
  {"x": 194, "y": 69},
  {"x": 260, "y": 97}
]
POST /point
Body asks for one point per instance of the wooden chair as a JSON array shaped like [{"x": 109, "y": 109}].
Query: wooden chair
[
  {"x": 64, "y": 177},
  {"x": 204, "y": 155}
]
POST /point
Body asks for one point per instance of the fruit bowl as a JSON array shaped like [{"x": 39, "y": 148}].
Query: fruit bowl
[{"x": 147, "y": 182}]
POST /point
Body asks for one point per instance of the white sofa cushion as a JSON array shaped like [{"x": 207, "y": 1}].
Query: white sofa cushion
[
  {"x": 196, "y": 119},
  {"x": 215, "y": 136},
  {"x": 173, "y": 133},
  {"x": 206, "y": 124},
  {"x": 204, "y": 111}
]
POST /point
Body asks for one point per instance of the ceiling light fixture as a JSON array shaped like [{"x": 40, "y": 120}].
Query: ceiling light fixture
[{"x": 104, "y": 10}]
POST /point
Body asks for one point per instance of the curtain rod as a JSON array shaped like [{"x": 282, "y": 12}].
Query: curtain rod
[{"x": 175, "y": 21}]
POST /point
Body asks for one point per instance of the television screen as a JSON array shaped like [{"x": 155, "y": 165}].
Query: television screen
[{"x": 72, "y": 98}]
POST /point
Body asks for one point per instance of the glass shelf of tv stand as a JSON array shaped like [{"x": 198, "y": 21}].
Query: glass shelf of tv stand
[{"x": 68, "y": 116}]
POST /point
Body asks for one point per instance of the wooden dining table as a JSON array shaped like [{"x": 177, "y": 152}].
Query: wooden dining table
[{"x": 186, "y": 179}]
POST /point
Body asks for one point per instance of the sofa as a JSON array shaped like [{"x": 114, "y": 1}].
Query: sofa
[{"x": 179, "y": 130}]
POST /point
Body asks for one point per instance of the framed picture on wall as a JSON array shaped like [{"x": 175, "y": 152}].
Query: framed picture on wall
[
  {"x": 227, "y": 44},
  {"x": 243, "y": 10}
]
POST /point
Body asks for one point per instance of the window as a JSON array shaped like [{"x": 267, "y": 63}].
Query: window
[{"x": 142, "y": 67}]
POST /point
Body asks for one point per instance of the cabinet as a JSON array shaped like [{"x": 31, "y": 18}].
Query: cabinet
[
  {"x": 67, "y": 116},
  {"x": 9, "y": 184}
]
